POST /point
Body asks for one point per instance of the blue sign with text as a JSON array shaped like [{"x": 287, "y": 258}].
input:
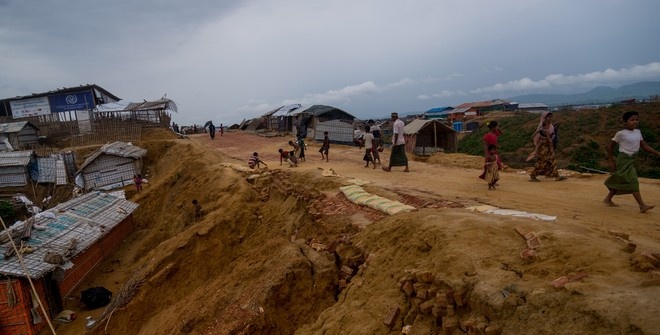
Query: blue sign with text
[{"x": 71, "y": 102}]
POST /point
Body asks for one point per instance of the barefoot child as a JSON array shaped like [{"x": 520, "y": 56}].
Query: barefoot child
[
  {"x": 368, "y": 143},
  {"x": 255, "y": 162},
  {"x": 492, "y": 167},
  {"x": 624, "y": 177},
  {"x": 325, "y": 147}
]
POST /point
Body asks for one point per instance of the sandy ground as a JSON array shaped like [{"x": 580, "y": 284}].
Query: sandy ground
[{"x": 257, "y": 238}]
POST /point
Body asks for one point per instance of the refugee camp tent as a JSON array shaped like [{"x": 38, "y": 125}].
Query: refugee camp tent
[
  {"x": 279, "y": 119},
  {"x": 18, "y": 136},
  {"x": 424, "y": 137},
  {"x": 319, "y": 118},
  {"x": 53, "y": 169},
  {"x": 16, "y": 167},
  {"x": 82, "y": 232},
  {"x": 112, "y": 166}
]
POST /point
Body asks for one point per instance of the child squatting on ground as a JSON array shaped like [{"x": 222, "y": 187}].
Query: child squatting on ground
[
  {"x": 255, "y": 162},
  {"x": 624, "y": 175},
  {"x": 289, "y": 157}
]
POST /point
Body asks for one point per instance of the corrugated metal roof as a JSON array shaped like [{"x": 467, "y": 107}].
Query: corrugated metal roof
[
  {"x": 15, "y": 158},
  {"x": 418, "y": 124},
  {"x": 87, "y": 219},
  {"x": 161, "y": 104},
  {"x": 14, "y": 127},
  {"x": 487, "y": 103},
  {"x": 121, "y": 149},
  {"x": 458, "y": 110}
]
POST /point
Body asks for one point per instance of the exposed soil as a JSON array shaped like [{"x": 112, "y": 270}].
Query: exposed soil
[{"x": 286, "y": 252}]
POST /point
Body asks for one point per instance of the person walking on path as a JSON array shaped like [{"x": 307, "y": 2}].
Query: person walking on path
[
  {"x": 492, "y": 167},
  {"x": 325, "y": 147},
  {"x": 398, "y": 154},
  {"x": 490, "y": 138},
  {"x": 624, "y": 175},
  {"x": 378, "y": 144},
  {"x": 212, "y": 130},
  {"x": 546, "y": 163},
  {"x": 368, "y": 146},
  {"x": 222, "y": 129}
]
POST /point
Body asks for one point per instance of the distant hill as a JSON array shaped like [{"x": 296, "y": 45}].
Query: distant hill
[{"x": 598, "y": 95}]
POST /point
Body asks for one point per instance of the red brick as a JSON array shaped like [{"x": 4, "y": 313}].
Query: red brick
[
  {"x": 392, "y": 315},
  {"x": 652, "y": 259},
  {"x": 408, "y": 289},
  {"x": 426, "y": 307},
  {"x": 347, "y": 270},
  {"x": 533, "y": 243},
  {"x": 460, "y": 298},
  {"x": 522, "y": 230},
  {"x": 441, "y": 299},
  {"x": 560, "y": 282},
  {"x": 424, "y": 276},
  {"x": 528, "y": 255}
]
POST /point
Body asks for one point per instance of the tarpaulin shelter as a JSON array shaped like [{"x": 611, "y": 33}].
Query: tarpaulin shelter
[
  {"x": 320, "y": 118},
  {"x": 111, "y": 166},
  {"x": 279, "y": 119},
  {"x": 83, "y": 231},
  {"x": 18, "y": 136},
  {"x": 424, "y": 137},
  {"x": 17, "y": 168}
]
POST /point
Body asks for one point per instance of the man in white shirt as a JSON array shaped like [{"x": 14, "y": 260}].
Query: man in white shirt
[{"x": 398, "y": 156}]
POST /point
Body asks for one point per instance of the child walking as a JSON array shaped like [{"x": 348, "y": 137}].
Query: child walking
[
  {"x": 624, "y": 177},
  {"x": 137, "y": 180},
  {"x": 325, "y": 147},
  {"x": 368, "y": 138},
  {"x": 492, "y": 167}
]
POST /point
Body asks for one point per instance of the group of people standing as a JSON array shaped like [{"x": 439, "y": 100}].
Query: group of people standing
[{"x": 623, "y": 178}]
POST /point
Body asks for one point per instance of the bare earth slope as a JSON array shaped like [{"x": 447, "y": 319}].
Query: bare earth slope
[{"x": 247, "y": 265}]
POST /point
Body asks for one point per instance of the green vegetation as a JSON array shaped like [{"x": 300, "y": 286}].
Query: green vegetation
[
  {"x": 583, "y": 137},
  {"x": 7, "y": 211}
]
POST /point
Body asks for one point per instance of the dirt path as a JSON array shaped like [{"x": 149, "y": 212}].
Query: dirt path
[{"x": 577, "y": 202}]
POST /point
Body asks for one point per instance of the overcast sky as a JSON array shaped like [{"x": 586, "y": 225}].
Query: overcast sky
[{"x": 229, "y": 60}]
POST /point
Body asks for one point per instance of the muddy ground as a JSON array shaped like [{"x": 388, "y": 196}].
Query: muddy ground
[{"x": 286, "y": 252}]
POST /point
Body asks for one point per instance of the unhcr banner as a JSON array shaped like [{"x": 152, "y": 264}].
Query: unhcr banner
[
  {"x": 29, "y": 107},
  {"x": 71, "y": 102}
]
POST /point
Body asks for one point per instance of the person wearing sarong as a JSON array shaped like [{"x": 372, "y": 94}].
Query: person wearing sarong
[
  {"x": 546, "y": 165},
  {"x": 624, "y": 175},
  {"x": 398, "y": 156},
  {"x": 491, "y": 138},
  {"x": 492, "y": 167}
]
